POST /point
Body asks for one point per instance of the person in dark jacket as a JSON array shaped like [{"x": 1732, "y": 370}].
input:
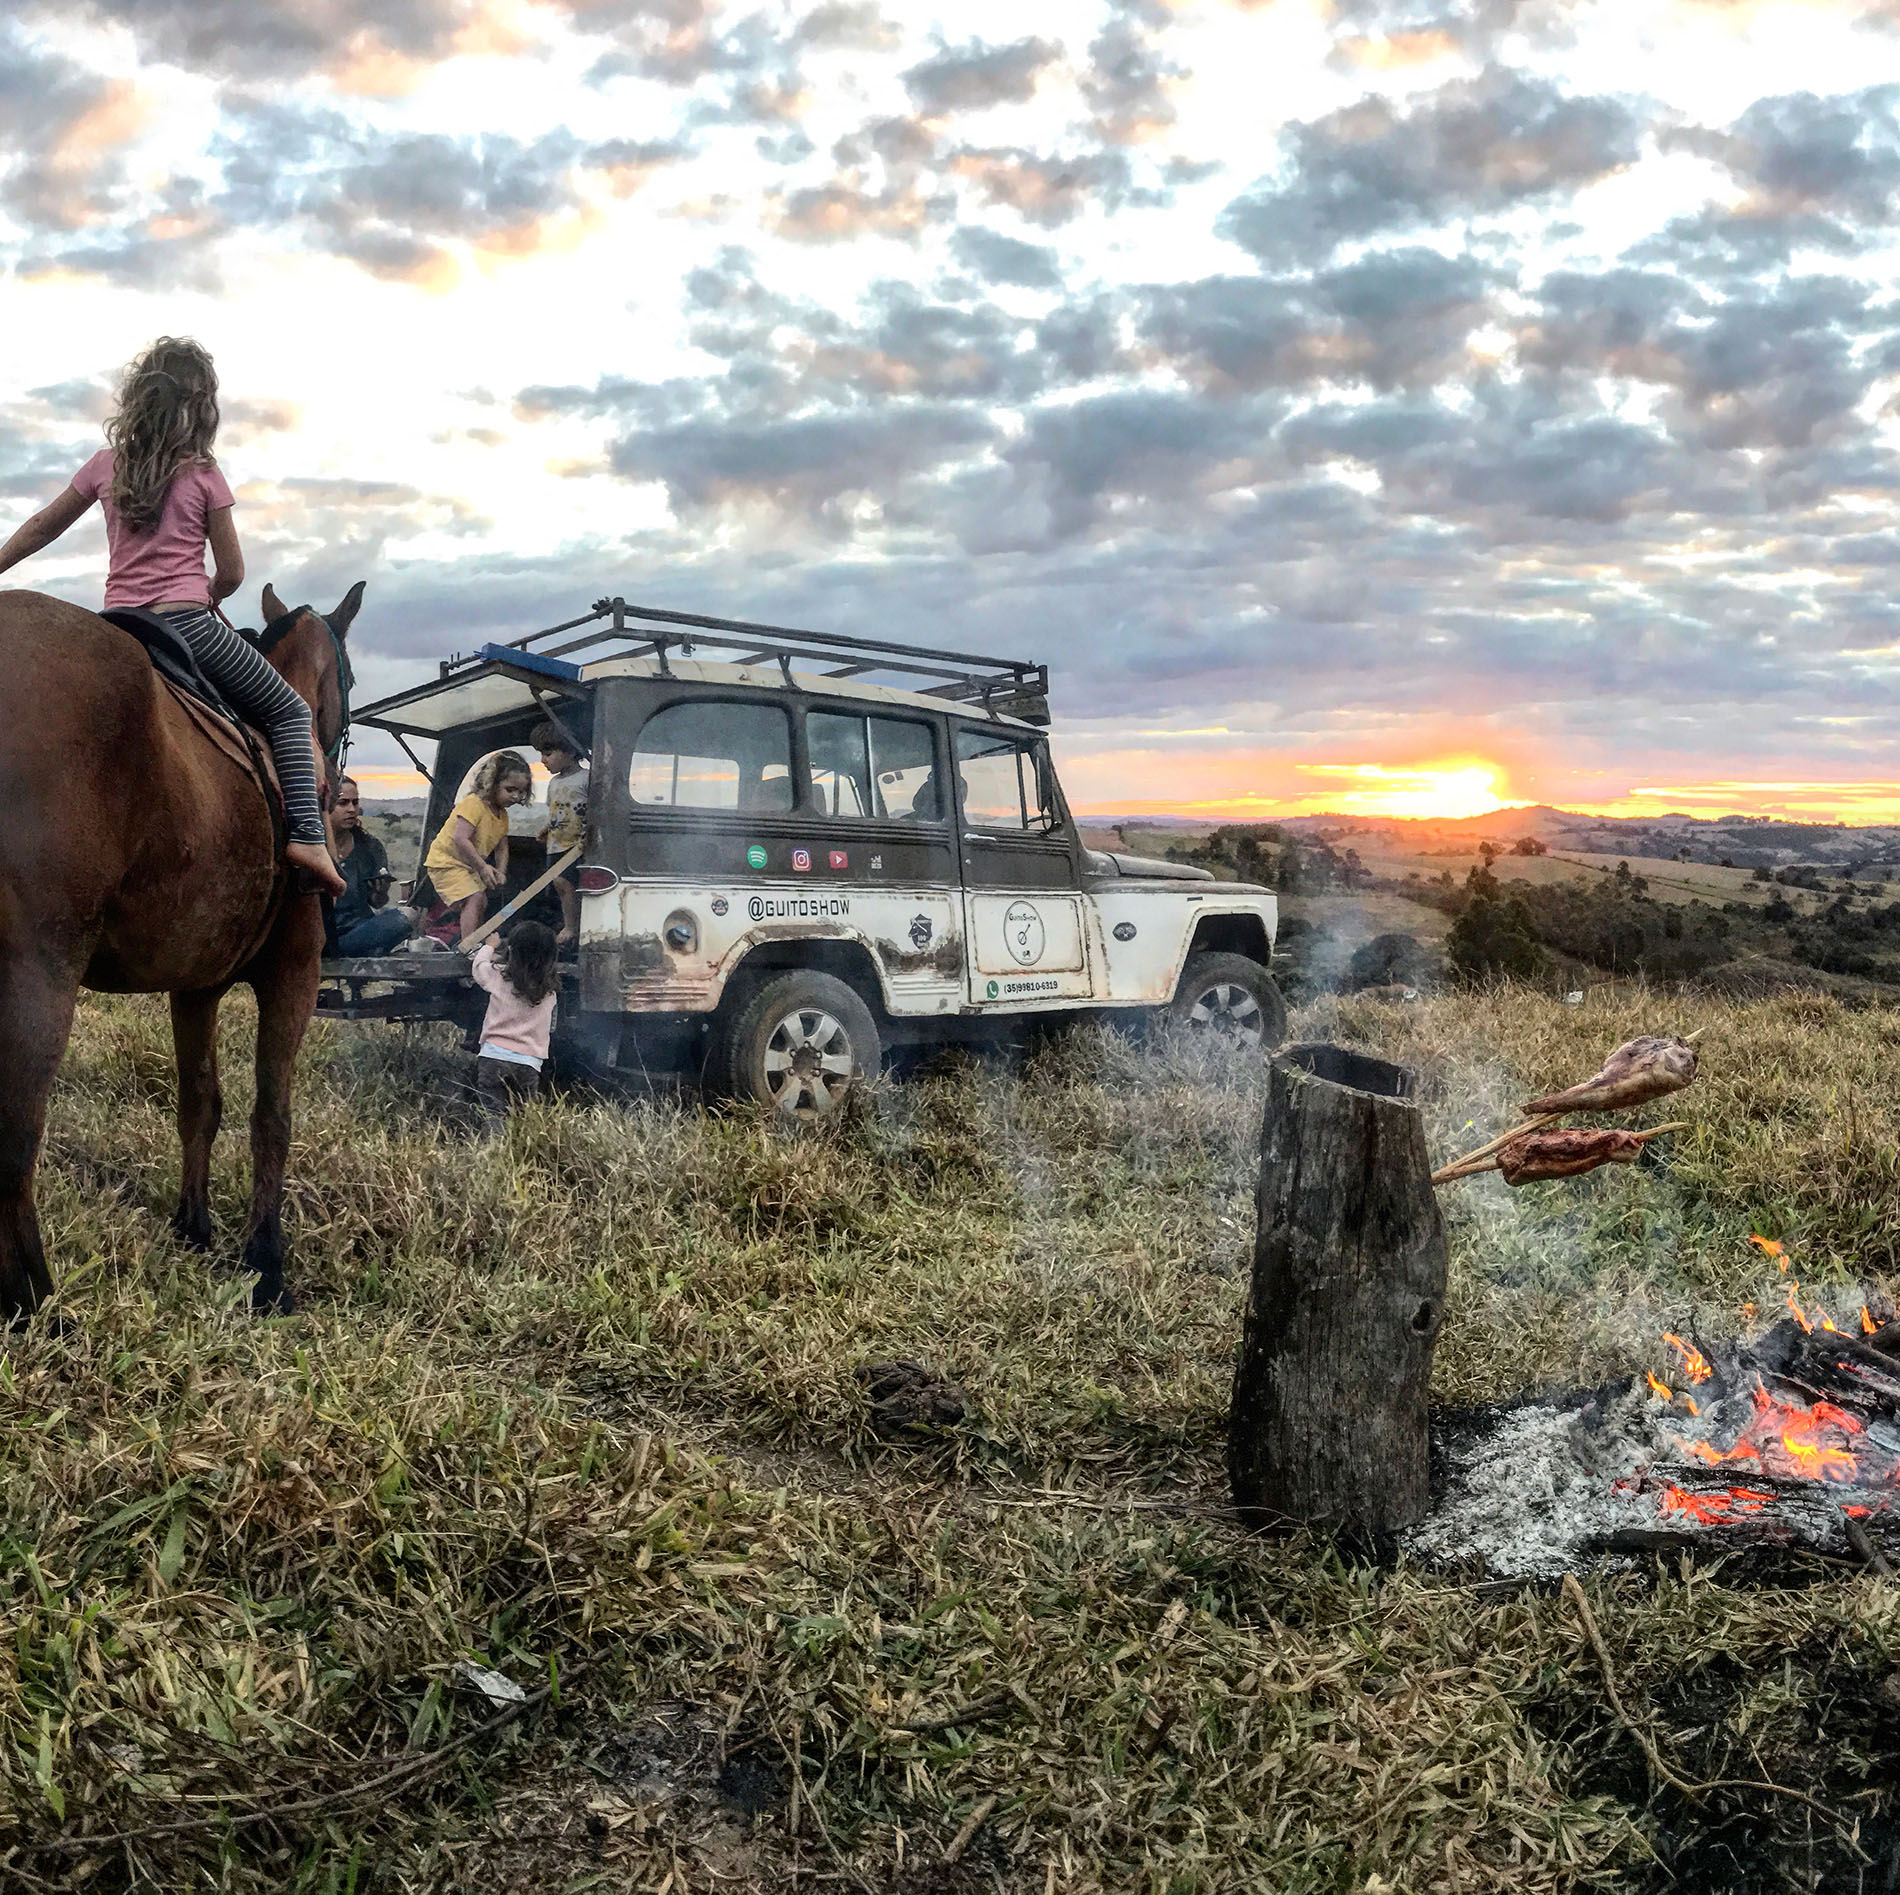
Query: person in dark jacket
[{"x": 358, "y": 921}]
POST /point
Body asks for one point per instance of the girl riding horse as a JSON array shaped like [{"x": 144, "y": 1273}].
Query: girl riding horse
[
  {"x": 138, "y": 854},
  {"x": 164, "y": 500}
]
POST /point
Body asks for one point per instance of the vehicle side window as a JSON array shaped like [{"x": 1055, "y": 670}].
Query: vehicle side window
[
  {"x": 904, "y": 769},
  {"x": 873, "y": 766},
  {"x": 840, "y": 763},
  {"x": 1004, "y": 786},
  {"x": 708, "y": 754}
]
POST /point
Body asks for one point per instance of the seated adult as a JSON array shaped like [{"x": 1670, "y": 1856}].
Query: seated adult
[{"x": 352, "y": 924}]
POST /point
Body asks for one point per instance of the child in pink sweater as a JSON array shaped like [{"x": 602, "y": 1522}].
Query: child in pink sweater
[{"x": 520, "y": 1017}]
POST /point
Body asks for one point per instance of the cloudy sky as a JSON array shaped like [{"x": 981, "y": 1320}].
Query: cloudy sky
[{"x": 1390, "y": 403}]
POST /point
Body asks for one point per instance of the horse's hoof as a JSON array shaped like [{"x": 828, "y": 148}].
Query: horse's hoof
[
  {"x": 272, "y": 1298},
  {"x": 193, "y": 1232}
]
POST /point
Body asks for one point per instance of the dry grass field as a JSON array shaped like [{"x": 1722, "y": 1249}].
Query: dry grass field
[{"x": 582, "y": 1405}]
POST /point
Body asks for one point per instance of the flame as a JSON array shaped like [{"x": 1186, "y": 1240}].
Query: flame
[
  {"x": 1689, "y": 1404},
  {"x": 1769, "y": 1247},
  {"x": 1661, "y": 1390},
  {"x": 1868, "y": 1326},
  {"x": 1692, "y": 1358},
  {"x": 1795, "y": 1310}
]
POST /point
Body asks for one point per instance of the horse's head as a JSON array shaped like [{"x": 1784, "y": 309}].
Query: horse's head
[{"x": 310, "y": 649}]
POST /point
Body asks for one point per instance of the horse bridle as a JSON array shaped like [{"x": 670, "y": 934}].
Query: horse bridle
[{"x": 336, "y": 751}]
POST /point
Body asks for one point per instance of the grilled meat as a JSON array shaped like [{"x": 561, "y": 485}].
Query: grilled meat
[{"x": 1643, "y": 1069}]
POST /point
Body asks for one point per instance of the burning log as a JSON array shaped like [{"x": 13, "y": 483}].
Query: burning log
[
  {"x": 1328, "y": 1425},
  {"x": 1637, "y": 1072}
]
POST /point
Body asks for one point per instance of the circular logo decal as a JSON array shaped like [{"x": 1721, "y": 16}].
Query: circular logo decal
[
  {"x": 992, "y": 991},
  {"x": 755, "y": 856},
  {"x": 1124, "y": 931},
  {"x": 1022, "y": 933},
  {"x": 719, "y": 904}
]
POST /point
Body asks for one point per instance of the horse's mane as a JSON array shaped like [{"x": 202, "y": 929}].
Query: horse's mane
[{"x": 275, "y": 632}]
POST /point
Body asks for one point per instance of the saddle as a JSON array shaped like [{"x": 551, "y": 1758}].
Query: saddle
[{"x": 178, "y": 670}]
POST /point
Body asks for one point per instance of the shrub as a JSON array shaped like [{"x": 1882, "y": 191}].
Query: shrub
[{"x": 1493, "y": 939}]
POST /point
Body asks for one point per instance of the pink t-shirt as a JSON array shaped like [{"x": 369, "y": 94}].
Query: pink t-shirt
[{"x": 169, "y": 561}]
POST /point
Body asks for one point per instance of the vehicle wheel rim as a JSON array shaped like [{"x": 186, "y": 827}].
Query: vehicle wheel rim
[
  {"x": 809, "y": 1063},
  {"x": 1228, "y": 1011}
]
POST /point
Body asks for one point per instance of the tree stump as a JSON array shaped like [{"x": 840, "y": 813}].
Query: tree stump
[{"x": 1328, "y": 1426}]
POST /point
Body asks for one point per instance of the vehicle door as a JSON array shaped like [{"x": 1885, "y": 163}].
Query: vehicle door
[
  {"x": 1021, "y": 873},
  {"x": 887, "y": 836}
]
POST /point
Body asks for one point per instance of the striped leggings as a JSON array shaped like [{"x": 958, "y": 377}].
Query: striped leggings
[{"x": 234, "y": 665}]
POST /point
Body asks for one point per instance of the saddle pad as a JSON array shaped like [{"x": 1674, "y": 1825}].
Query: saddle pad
[
  {"x": 228, "y": 738},
  {"x": 171, "y": 655}
]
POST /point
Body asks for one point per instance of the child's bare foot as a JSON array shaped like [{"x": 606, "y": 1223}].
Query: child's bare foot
[{"x": 315, "y": 859}]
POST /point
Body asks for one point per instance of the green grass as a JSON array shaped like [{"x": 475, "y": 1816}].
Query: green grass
[{"x": 582, "y": 1404}]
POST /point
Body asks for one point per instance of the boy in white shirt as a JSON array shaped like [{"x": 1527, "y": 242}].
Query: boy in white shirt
[{"x": 567, "y": 815}]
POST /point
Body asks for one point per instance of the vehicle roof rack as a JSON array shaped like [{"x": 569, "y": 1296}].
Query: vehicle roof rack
[{"x": 614, "y": 629}]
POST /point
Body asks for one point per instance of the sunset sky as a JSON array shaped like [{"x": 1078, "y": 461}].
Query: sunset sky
[{"x": 1409, "y": 406}]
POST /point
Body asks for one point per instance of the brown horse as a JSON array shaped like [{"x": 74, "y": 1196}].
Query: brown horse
[{"x": 137, "y": 857}]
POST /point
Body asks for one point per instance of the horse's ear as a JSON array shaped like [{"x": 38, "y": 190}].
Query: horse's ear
[
  {"x": 274, "y": 607},
  {"x": 345, "y": 615}
]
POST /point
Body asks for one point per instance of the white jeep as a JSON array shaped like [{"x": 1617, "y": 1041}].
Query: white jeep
[{"x": 804, "y": 849}]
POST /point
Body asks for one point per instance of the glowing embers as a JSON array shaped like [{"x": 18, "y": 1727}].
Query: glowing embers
[{"x": 1725, "y": 1507}]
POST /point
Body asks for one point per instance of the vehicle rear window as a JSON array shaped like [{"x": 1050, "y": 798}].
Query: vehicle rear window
[
  {"x": 708, "y": 754},
  {"x": 1003, "y": 787},
  {"x": 873, "y": 766}
]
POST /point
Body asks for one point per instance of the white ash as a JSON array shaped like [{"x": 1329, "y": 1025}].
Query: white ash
[{"x": 1527, "y": 1496}]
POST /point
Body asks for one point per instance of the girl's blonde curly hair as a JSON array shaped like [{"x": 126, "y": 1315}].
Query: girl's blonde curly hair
[
  {"x": 167, "y": 418},
  {"x": 495, "y": 769}
]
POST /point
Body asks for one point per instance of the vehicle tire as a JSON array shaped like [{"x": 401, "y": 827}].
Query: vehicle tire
[
  {"x": 798, "y": 1042},
  {"x": 1228, "y": 997}
]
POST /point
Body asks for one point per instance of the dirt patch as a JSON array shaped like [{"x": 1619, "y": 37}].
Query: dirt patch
[{"x": 670, "y": 1785}]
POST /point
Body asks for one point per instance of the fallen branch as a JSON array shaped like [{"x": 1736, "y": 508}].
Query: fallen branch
[
  {"x": 1865, "y": 1550},
  {"x": 408, "y": 1771},
  {"x": 1693, "y": 1791},
  {"x": 978, "y": 1713}
]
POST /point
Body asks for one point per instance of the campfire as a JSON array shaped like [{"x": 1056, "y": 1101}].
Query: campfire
[{"x": 1790, "y": 1439}]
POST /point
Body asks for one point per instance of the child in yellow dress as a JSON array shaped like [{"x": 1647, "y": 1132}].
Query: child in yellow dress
[{"x": 469, "y": 855}]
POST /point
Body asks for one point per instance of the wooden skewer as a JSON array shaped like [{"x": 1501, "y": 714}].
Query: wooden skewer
[
  {"x": 1456, "y": 1167},
  {"x": 1463, "y": 1169}
]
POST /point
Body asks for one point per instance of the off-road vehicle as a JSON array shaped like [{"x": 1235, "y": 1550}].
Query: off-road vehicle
[{"x": 803, "y": 850}]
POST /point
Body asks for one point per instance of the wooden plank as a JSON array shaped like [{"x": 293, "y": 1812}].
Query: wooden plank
[{"x": 534, "y": 888}]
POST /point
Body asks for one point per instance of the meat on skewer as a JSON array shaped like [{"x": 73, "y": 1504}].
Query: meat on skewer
[
  {"x": 1569, "y": 1152},
  {"x": 1638, "y": 1071}
]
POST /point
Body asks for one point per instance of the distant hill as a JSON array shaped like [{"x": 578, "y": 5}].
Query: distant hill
[{"x": 1745, "y": 842}]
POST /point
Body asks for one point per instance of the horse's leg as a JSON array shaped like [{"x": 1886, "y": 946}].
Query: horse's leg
[
  {"x": 36, "y": 1015},
  {"x": 286, "y": 988},
  {"x": 200, "y": 1109}
]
